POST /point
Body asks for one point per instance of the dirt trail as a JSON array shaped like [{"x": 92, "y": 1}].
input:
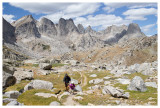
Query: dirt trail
[
  {"x": 70, "y": 101},
  {"x": 83, "y": 82}
]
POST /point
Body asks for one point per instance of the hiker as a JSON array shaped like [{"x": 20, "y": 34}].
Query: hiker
[
  {"x": 72, "y": 87},
  {"x": 66, "y": 80}
]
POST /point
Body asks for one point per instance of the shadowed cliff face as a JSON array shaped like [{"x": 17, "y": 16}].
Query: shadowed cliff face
[{"x": 8, "y": 32}]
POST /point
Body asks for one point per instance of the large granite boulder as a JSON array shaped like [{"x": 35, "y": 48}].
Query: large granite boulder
[
  {"x": 22, "y": 74},
  {"x": 137, "y": 84},
  {"x": 8, "y": 80},
  {"x": 117, "y": 93},
  {"x": 54, "y": 103},
  {"x": 45, "y": 66},
  {"x": 12, "y": 94},
  {"x": 78, "y": 88},
  {"x": 38, "y": 84}
]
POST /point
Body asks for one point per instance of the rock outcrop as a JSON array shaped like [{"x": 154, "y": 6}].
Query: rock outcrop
[
  {"x": 66, "y": 26},
  {"x": 137, "y": 84},
  {"x": 8, "y": 32},
  {"x": 26, "y": 27},
  {"x": 47, "y": 28},
  {"x": 38, "y": 84},
  {"x": 81, "y": 28}
]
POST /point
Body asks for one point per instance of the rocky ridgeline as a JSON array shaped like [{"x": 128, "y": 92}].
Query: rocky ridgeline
[{"x": 30, "y": 34}]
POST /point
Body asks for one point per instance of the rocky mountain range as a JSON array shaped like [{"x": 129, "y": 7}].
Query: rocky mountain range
[{"x": 44, "y": 38}]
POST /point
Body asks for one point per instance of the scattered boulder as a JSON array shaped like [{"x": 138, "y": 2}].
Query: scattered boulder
[
  {"x": 95, "y": 87},
  {"x": 123, "y": 81},
  {"x": 46, "y": 95},
  {"x": 78, "y": 98},
  {"x": 23, "y": 74},
  {"x": 7, "y": 100},
  {"x": 117, "y": 93},
  {"x": 14, "y": 103},
  {"x": 38, "y": 84},
  {"x": 12, "y": 94},
  {"x": 54, "y": 103},
  {"x": 93, "y": 75},
  {"x": 75, "y": 81},
  {"x": 45, "y": 66},
  {"x": 96, "y": 81},
  {"x": 107, "y": 82},
  {"x": 151, "y": 84},
  {"x": 78, "y": 88},
  {"x": 137, "y": 84},
  {"x": 8, "y": 80},
  {"x": 106, "y": 77}
]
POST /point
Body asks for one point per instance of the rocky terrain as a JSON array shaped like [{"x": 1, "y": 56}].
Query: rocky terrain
[{"x": 116, "y": 66}]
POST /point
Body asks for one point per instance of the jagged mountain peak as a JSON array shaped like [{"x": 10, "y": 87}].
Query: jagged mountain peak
[
  {"x": 81, "y": 28},
  {"x": 24, "y": 19},
  {"x": 133, "y": 28}
]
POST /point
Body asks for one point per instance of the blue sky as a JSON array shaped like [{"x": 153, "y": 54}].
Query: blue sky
[{"x": 98, "y": 15}]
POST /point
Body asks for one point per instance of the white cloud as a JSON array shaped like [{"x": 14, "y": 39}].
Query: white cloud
[
  {"x": 113, "y": 6},
  {"x": 139, "y": 14},
  {"x": 101, "y": 20},
  {"x": 73, "y": 11},
  {"x": 147, "y": 28},
  {"x": 9, "y": 18},
  {"x": 45, "y": 8},
  {"x": 109, "y": 9},
  {"x": 54, "y": 8}
]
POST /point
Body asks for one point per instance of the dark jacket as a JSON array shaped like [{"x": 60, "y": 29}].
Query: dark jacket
[{"x": 66, "y": 79}]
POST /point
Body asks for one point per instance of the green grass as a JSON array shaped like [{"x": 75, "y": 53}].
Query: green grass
[
  {"x": 95, "y": 99},
  {"x": 131, "y": 76},
  {"x": 100, "y": 75},
  {"x": 18, "y": 86},
  {"x": 28, "y": 98},
  {"x": 35, "y": 65},
  {"x": 58, "y": 65}
]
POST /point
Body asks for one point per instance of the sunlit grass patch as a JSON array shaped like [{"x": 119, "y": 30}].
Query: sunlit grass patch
[
  {"x": 131, "y": 76},
  {"x": 18, "y": 86},
  {"x": 29, "y": 98}
]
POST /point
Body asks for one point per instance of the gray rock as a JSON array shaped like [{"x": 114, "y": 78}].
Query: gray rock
[
  {"x": 46, "y": 95},
  {"x": 96, "y": 81},
  {"x": 26, "y": 27},
  {"x": 38, "y": 84},
  {"x": 107, "y": 82},
  {"x": 12, "y": 103},
  {"x": 78, "y": 98},
  {"x": 137, "y": 84},
  {"x": 23, "y": 74},
  {"x": 93, "y": 75},
  {"x": 95, "y": 87},
  {"x": 12, "y": 94},
  {"x": 148, "y": 72},
  {"x": 151, "y": 84},
  {"x": 8, "y": 32},
  {"x": 45, "y": 66},
  {"x": 75, "y": 81},
  {"x": 47, "y": 28},
  {"x": 7, "y": 100},
  {"x": 54, "y": 103},
  {"x": 81, "y": 28},
  {"x": 8, "y": 80},
  {"x": 66, "y": 26},
  {"x": 123, "y": 81},
  {"x": 106, "y": 77},
  {"x": 78, "y": 88},
  {"x": 115, "y": 92}
]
